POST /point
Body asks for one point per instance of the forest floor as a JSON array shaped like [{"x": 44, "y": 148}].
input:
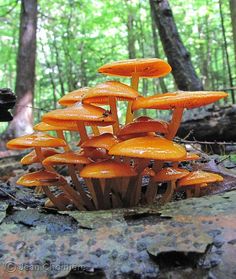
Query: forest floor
[{"x": 188, "y": 238}]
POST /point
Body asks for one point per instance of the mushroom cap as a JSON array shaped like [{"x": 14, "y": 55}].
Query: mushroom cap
[
  {"x": 199, "y": 177},
  {"x": 190, "y": 157},
  {"x": 88, "y": 114},
  {"x": 106, "y": 129},
  {"x": 32, "y": 158},
  {"x": 147, "y": 67},
  {"x": 107, "y": 169},
  {"x": 105, "y": 141},
  {"x": 102, "y": 92},
  {"x": 150, "y": 147},
  {"x": 35, "y": 140},
  {"x": 170, "y": 173},
  {"x": 40, "y": 178},
  {"x": 143, "y": 127},
  {"x": 143, "y": 118},
  {"x": 95, "y": 153},
  {"x": 73, "y": 97},
  {"x": 67, "y": 158},
  {"x": 181, "y": 99},
  {"x": 43, "y": 127}
]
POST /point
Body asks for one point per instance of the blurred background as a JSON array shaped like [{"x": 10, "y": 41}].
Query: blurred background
[{"x": 49, "y": 48}]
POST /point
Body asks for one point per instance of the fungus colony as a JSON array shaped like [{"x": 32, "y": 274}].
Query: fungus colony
[{"x": 107, "y": 170}]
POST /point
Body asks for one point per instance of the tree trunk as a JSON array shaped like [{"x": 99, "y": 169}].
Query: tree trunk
[
  {"x": 178, "y": 57},
  {"x": 25, "y": 76},
  {"x": 131, "y": 36},
  {"x": 233, "y": 20},
  {"x": 156, "y": 50}
]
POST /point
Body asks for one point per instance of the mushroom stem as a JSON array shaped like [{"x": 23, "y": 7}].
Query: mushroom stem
[
  {"x": 95, "y": 130},
  {"x": 82, "y": 131},
  {"x": 86, "y": 201},
  {"x": 134, "y": 85},
  {"x": 174, "y": 123},
  {"x": 53, "y": 199},
  {"x": 113, "y": 107},
  {"x": 106, "y": 194},
  {"x": 60, "y": 135},
  {"x": 98, "y": 192},
  {"x": 151, "y": 191},
  {"x": 90, "y": 187},
  {"x": 167, "y": 196}
]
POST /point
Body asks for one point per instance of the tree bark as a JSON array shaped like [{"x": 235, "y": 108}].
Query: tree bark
[
  {"x": 178, "y": 56},
  {"x": 213, "y": 124},
  {"x": 131, "y": 36},
  {"x": 226, "y": 51},
  {"x": 25, "y": 76},
  {"x": 233, "y": 20}
]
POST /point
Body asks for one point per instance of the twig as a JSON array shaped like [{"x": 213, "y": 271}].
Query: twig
[
  {"x": 204, "y": 142},
  {"x": 12, "y": 197}
]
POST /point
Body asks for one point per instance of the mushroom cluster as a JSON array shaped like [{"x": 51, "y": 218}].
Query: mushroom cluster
[{"x": 115, "y": 165}]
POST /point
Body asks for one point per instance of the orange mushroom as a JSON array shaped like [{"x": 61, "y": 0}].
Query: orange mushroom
[
  {"x": 136, "y": 68},
  {"x": 32, "y": 158},
  {"x": 80, "y": 114},
  {"x": 196, "y": 179},
  {"x": 72, "y": 158},
  {"x": 43, "y": 179},
  {"x": 177, "y": 102},
  {"x": 111, "y": 91},
  {"x": 108, "y": 169},
  {"x": 169, "y": 175},
  {"x": 141, "y": 127}
]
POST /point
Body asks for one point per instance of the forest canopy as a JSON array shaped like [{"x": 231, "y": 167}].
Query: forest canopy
[{"x": 75, "y": 37}]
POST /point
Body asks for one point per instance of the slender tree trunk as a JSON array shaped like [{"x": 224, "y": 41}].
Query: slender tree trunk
[
  {"x": 156, "y": 50},
  {"x": 226, "y": 51},
  {"x": 178, "y": 57},
  {"x": 233, "y": 20},
  {"x": 131, "y": 36},
  {"x": 25, "y": 76}
]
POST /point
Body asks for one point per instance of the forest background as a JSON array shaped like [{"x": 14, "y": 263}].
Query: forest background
[{"x": 75, "y": 37}]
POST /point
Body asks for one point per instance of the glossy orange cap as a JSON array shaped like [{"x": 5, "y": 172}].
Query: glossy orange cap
[
  {"x": 150, "y": 147},
  {"x": 181, "y": 99},
  {"x": 40, "y": 178},
  {"x": 107, "y": 169},
  {"x": 199, "y": 177},
  {"x": 105, "y": 141},
  {"x": 37, "y": 139},
  {"x": 145, "y": 67},
  {"x": 67, "y": 158},
  {"x": 170, "y": 173},
  {"x": 88, "y": 114},
  {"x": 73, "y": 97},
  {"x": 32, "y": 158},
  {"x": 108, "y": 89},
  {"x": 143, "y": 127},
  {"x": 42, "y": 126}
]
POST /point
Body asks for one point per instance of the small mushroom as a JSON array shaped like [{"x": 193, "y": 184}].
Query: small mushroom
[
  {"x": 169, "y": 175},
  {"x": 195, "y": 179},
  {"x": 44, "y": 179},
  {"x": 72, "y": 158}
]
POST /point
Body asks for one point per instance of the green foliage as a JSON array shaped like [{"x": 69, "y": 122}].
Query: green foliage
[{"x": 75, "y": 37}]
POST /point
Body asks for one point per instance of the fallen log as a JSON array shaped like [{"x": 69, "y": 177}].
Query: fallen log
[{"x": 213, "y": 124}]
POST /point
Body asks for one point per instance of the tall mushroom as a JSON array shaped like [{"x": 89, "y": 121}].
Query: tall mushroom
[
  {"x": 136, "y": 68},
  {"x": 177, "y": 102}
]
